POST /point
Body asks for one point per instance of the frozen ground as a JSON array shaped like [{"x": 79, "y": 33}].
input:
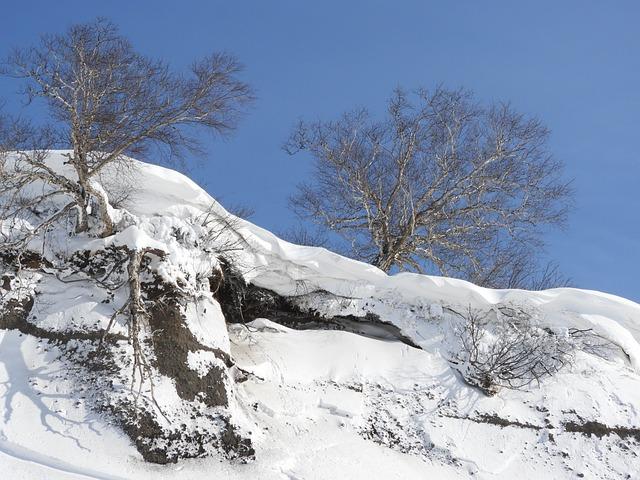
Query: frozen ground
[{"x": 323, "y": 404}]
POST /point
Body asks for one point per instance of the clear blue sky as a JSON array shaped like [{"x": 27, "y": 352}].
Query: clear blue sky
[{"x": 575, "y": 64}]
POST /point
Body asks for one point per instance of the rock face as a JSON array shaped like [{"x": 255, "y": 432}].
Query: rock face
[
  {"x": 136, "y": 322},
  {"x": 169, "y": 409},
  {"x": 204, "y": 395}
]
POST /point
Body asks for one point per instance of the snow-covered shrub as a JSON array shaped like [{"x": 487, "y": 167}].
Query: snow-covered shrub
[
  {"x": 504, "y": 348},
  {"x": 591, "y": 342}
]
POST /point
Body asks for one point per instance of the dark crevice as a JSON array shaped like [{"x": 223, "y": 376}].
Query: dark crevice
[{"x": 242, "y": 302}]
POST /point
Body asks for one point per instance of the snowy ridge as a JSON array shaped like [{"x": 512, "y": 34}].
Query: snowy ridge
[
  {"x": 322, "y": 404},
  {"x": 281, "y": 266}
]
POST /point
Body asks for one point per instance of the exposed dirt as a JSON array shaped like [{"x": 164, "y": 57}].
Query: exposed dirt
[
  {"x": 24, "y": 259},
  {"x": 160, "y": 445},
  {"x": 172, "y": 343},
  {"x": 101, "y": 264},
  {"x": 15, "y": 315},
  {"x": 587, "y": 428},
  {"x": 494, "y": 419},
  {"x": 600, "y": 430}
]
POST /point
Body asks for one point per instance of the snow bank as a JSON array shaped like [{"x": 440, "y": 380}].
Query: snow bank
[{"x": 284, "y": 267}]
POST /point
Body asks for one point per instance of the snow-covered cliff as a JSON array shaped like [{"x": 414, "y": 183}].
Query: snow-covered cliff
[{"x": 338, "y": 371}]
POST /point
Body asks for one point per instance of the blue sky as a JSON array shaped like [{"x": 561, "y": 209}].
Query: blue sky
[{"x": 574, "y": 64}]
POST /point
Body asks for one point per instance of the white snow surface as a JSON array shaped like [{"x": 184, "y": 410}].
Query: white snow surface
[{"x": 328, "y": 404}]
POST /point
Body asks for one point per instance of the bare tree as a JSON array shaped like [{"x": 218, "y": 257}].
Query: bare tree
[
  {"x": 441, "y": 184},
  {"x": 108, "y": 102}
]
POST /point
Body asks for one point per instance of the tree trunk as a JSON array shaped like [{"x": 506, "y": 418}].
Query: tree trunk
[
  {"x": 82, "y": 222},
  {"x": 103, "y": 211},
  {"x": 385, "y": 258},
  {"x": 86, "y": 191},
  {"x": 82, "y": 196},
  {"x": 383, "y": 261}
]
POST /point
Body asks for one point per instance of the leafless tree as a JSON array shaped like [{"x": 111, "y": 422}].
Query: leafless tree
[
  {"x": 441, "y": 184},
  {"x": 108, "y": 102}
]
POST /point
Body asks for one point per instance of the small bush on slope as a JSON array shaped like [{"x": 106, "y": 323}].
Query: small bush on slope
[{"x": 503, "y": 348}]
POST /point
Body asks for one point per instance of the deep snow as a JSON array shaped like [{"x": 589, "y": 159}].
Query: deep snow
[{"x": 324, "y": 404}]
